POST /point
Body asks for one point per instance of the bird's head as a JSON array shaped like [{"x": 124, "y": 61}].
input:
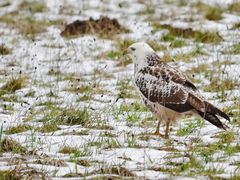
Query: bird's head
[{"x": 138, "y": 51}]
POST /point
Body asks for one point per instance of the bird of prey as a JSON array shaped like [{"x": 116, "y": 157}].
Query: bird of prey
[{"x": 167, "y": 92}]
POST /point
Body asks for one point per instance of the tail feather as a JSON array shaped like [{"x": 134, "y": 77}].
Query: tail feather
[
  {"x": 212, "y": 119},
  {"x": 214, "y": 110},
  {"x": 207, "y": 111}
]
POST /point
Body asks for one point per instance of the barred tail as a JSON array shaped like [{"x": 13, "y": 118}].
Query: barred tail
[
  {"x": 212, "y": 119},
  {"x": 214, "y": 110}
]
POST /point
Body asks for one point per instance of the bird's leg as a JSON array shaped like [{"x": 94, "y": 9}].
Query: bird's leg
[
  {"x": 167, "y": 130},
  {"x": 157, "y": 132}
]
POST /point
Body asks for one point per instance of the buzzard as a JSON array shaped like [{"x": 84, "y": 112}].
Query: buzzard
[{"x": 167, "y": 92}]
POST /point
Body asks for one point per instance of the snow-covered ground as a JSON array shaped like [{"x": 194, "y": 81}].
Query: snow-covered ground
[{"x": 78, "y": 75}]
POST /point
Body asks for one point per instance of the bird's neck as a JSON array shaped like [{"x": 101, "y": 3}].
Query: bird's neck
[{"x": 140, "y": 66}]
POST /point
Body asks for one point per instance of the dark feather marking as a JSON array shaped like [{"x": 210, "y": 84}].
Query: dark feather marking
[
  {"x": 212, "y": 119},
  {"x": 155, "y": 94},
  {"x": 190, "y": 84},
  {"x": 178, "y": 107},
  {"x": 196, "y": 103},
  {"x": 166, "y": 74},
  {"x": 214, "y": 110}
]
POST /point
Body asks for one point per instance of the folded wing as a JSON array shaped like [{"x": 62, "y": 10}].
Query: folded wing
[{"x": 170, "y": 88}]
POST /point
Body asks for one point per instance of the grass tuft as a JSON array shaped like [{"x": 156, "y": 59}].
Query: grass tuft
[
  {"x": 121, "y": 171},
  {"x": 235, "y": 49},
  {"x": 18, "y": 129},
  {"x": 76, "y": 152},
  {"x": 235, "y": 6},
  {"x": 122, "y": 46},
  {"x": 82, "y": 162},
  {"x": 68, "y": 150},
  {"x": 199, "y": 36},
  {"x": 33, "y": 7},
  {"x": 221, "y": 86},
  {"x": 10, "y": 145},
  {"x": 187, "y": 57},
  {"x": 210, "y": 12},
  {"x": 28, "y": 26},
  {"x": 4, "y": 50},
  {"x": 190, "y": 127},
  {"x": 48, "y": 127},
  {"x": 214, "y": 13},
  {"x": 13, "y": 85},
  {"x": 156, "y": 46},
  {"x": 8, "y": 175},
  {"x": 124, "y": 88}
]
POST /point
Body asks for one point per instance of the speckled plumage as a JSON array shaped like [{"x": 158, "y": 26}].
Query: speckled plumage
[{"x": 166, "y": 91}]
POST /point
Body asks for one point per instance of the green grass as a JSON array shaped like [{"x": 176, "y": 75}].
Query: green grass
[
  {"x": 156, "y": 46},
  {"x": 175, "y": 43},
  {"x": 98, "y": 143},
  {"x": 13, "y": 85},
  {"x": 222, "y": 85},
  {"x": 112, "y": 142},
  {"x": 81, "y": 162},
  {"x": 31, "y": 93},
  {"x": 68, "y": 116},
  {"x": 7, "y": 107},
  {"x": 190, "y": 127},
  {"x": 234, "y": 112},
  {"x": 76, "y": 151},
  {"x": 236, "y": 26},
  {"x": 199, "y": 36},
  {"x": 18, "y": 129},
  {"x": 132, "y": 142},
  {"x": 125, "y": 89},
  {"x": 136, "y": 106},
  {"x": 200, "y": 68},
  {"x": 234, "y": 49},
  {"x": 69, "y": 150},
  {"x": 85, "y": 88},
  {"x": 10, "y": 145},
  {"x": 148, "y": 10},
  {"x": 75, "y": 117},
  {"x": 187, "y": 57},
  {"x": 120, "y": 171},
  {"x": 54, "y": 116},
  {"x": 33, "y": 7},
  {"x": 8, "y": 175},
  {"x": 117, "y": 54},
  {"x": 28, "y": 26},
  {"x": 51, "y": 162},
  {"x": 234, "y": 7},
  {"x": 48, "y": 127},
  {"x": 132, "y": 118},
  {"x": 213, "y": 13}
]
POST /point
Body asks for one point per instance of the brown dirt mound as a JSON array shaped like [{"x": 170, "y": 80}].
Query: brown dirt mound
[{"x": 104, "y": 27}]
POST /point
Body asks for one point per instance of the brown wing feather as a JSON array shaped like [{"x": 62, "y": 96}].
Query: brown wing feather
[
  {"x": 207, "y": 110},
  {"x": 181, "y": 96},
  {"x": 160, "y": 69},
  {"x": 156, "y": 85}
]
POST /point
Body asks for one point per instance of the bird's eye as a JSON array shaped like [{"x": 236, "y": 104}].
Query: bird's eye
[{"x": 133, "y": 49}]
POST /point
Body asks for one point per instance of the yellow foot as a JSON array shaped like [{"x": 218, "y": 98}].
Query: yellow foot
[{"x": 157, "y": 133}]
